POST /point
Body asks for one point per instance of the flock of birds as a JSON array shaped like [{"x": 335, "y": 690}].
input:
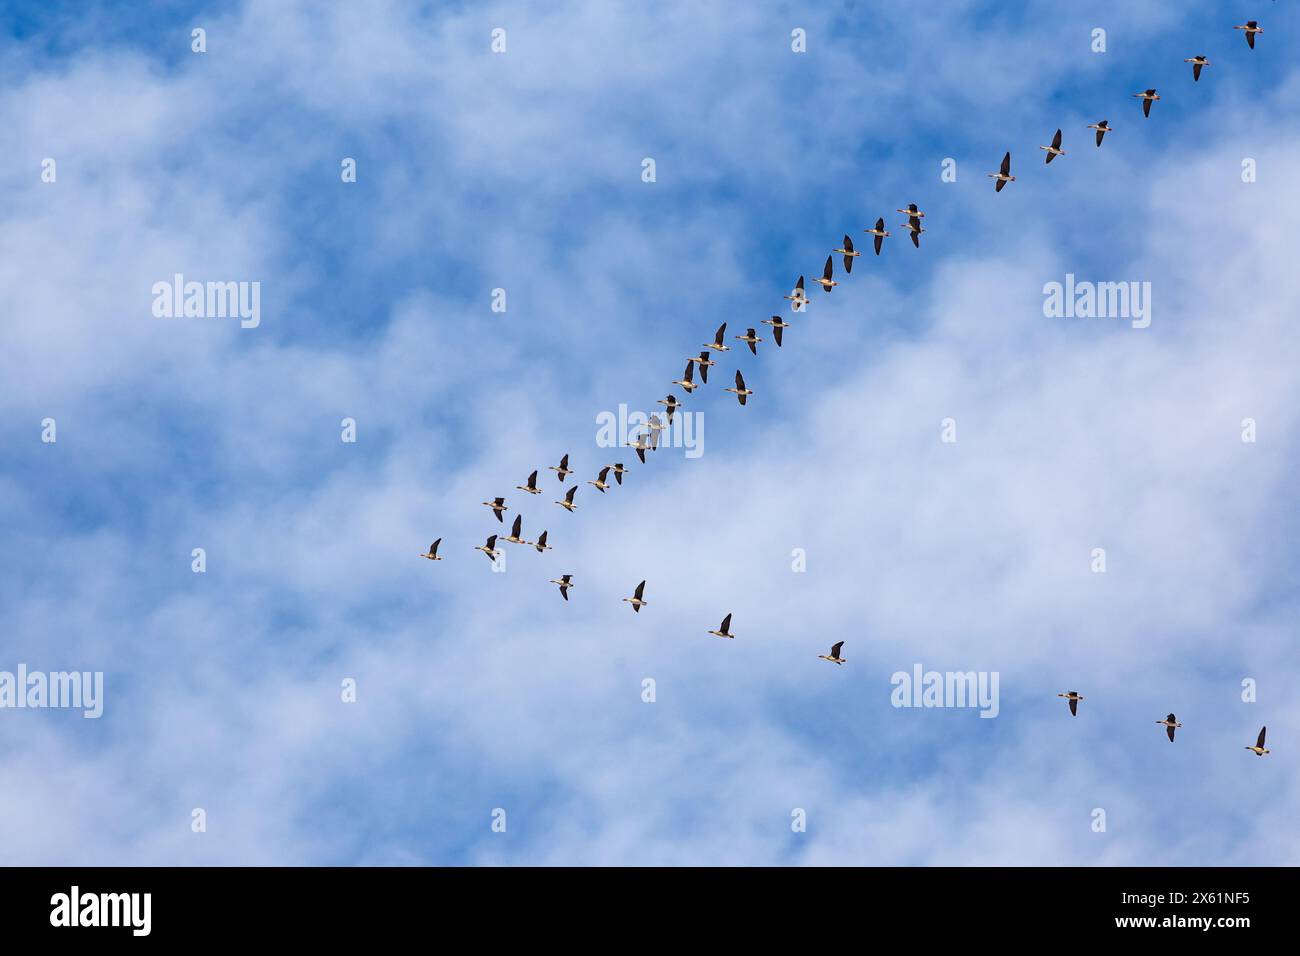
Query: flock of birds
[{"x": 649, "y": 439}]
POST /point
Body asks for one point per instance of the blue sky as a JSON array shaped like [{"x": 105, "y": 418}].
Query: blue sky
[{"x": 522, "y": 171}]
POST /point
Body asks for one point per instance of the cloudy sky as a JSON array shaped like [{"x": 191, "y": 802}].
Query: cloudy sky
[{"x": 522, "y": 170}]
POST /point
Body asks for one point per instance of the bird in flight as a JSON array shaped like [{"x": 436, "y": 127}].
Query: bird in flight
[
  {"x": 750, "y": 339},
  {"x": 1148, "y": 97},
  {"x": 516, "y": 532},
  {"x": 1003, "y": 175},
  {"x": 834, "y": 655},
  {"x": 600, "y": 484},
  {"x": 879, "y": 232},
  {"x": 563, "y": 470},
  {"x": 1251, "y": 27},
  {"x": 777, "y": 325},
  {"x": 848, "y": 254},
  {"x": 490, "y": 549},
  {"x": 826, "y": 282},
  {"x": 725, "y": 629},
  {"x": 740, "y": 391},
  {"x": 1259, "y": 749},
  {"x": 687, "y": 381},
  {"x": 1197, "y": 63},
  {"x": 433, "y": 551},
  {"x": 567, "y": 504},
  {"x": 1074, "y": 698},
  {"x": 912, "y": 211},
  {"x": 1170, "y": 724},
  {"x": 540, "y": 544},
  {"x": 635, "y": 599},
  {"x": 673, "y": 405},
  {"x": 565, "y": 582},
  {"x": 531, "y": 487},
  {"x": 703, "y": 362},
  {"x": 1055, "y": 149},
  {"x": 799, "y": 299},
  {"x": 914, "y": 226},
  {"x": 497, "y": 505},
  {"x": 1102, "y": 129},
  {"x": 641, "y": 446},
  {"x": 716, "y": 344},
  {"x": 619, "y": 470}
]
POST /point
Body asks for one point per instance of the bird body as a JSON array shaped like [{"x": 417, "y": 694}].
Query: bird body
[{"x": 834, "y": 655}]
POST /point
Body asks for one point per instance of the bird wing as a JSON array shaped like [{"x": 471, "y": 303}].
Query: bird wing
[
  {"x": 515, "y": 528},
  {"x": 604, "y": 472},
  {"x": 740, "y": 380},
  {"x": 830, "y": 267},
  {"x": 717, "y": 338},
  {"x": 1074, "y": 707},
  {"x": 776, "y": 333},
  {"x": 1006, "y": 164},
  {"x": 532, "y": 480},
  {"x": 1258, "y": 743},
  {"x": 799, "y": 285},
  {"x": 916, "y": 239},
  {"x": 690, "y": 371},
  {"x": 1056, "y": 140},
  {"x": 564, "y": 592},
  {"x": 433, "y": 548},
  {"x": 726, "y": 624},
  {"x": 572, "y": 491},
  {"x": 848, "y": 243},
  {"x": 1100, "y": 134},
  {"x": 491, "y": 542},
  {"x": 639, "y": 589},
  {"x": 1196, "y": 71},
  {"x": 879, "y": 240},
  {"x": 835, "y": 650},
  {"x": 1170, "y": 731},
  {"x": 564, "y": 462},
  {"x": 541, "y": 538},
  {"x": 1146, "y": 107}
]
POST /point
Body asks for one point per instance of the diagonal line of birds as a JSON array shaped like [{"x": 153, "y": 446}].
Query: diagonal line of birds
[{"x": 648, "y": 440}]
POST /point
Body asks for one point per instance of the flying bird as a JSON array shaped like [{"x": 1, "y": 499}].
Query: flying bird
[
  {"x": 912, "y": 211},
  {"x": 879, "y": 232},
  {"x": 540, "y": 544},
  {"x": 516, "y": 532},
  {"x": 777, "y": 325},
  {"x": 673, "y": 405},
  {"x": 750, "y": 339},
  {"x": 497, "y": 505},
  {"x": 799, "y": 298},
  {"x": 1259, "y": 748},
  {"x": 716, "y": 344},
  {"x": 599, "y": 484},
  {"x": 687, "y": 381},
  {"x": 619, "y": 470},
  {"x": 641, "y": 446},
  {"x": 1003, "y": 175},
  {"x": 1170, "y": 723},
  {"x": 725, "y": 629},
  {"x": 703, "y": 362},
  {"x": 826, "y": 282},
  {"x": 565, "y": 582},
  {"x": 1102, "y": 129},
  {"x": 567, "y": 504},
  {"x": 834, "y": 656},
  {"x": 563, "y": 471},
  {"x": 531, "y": 487},
  {"x": 1197, "y": 62},
  {"x": 1074, "y": 698},
  {"x": 635, "y": 599},
  {"x": 1147, "y": 98},
  {"x": 739, "y": 391},
  {"x": 848, "y": 253},
  {"x": 433, "y": 551},
  {"x": 1251, "y": 27},
  {"x": 490, "y": 549},
  {"x": 1055, "y": 149},
  {"x": 914, "y": 226}
]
